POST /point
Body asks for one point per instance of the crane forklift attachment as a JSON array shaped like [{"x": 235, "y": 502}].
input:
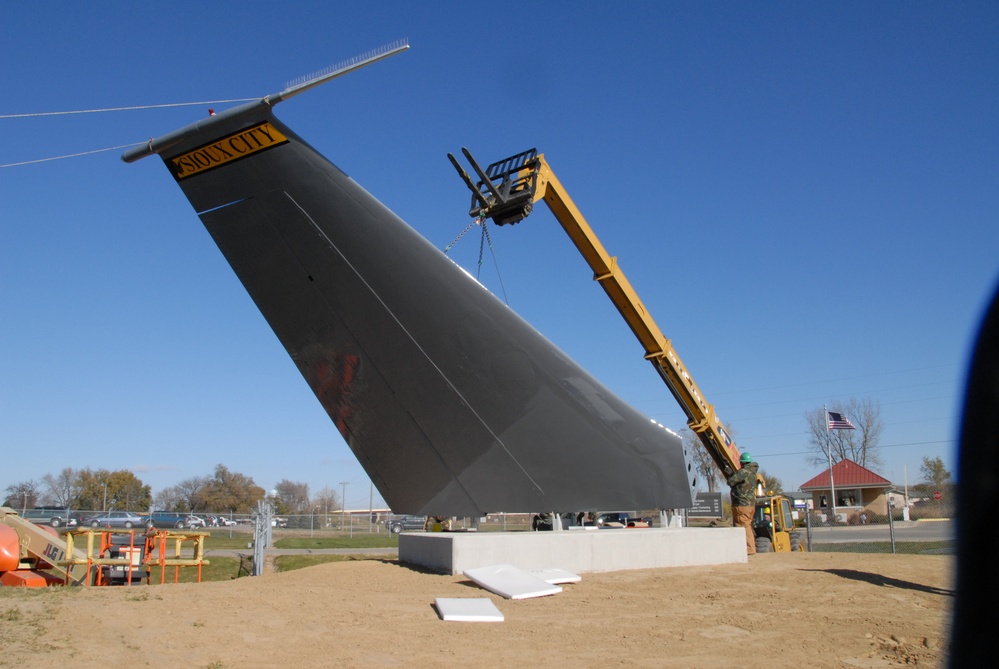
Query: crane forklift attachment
[{"x": 505, "y": 191}]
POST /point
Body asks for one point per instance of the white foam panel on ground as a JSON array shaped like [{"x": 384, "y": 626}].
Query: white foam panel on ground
[
  {"x": 557, "y": 576},
  {"x": 468, "y": 610},
  {"x": 511, "y": 582},
  {"x": 576, "y": 552}
]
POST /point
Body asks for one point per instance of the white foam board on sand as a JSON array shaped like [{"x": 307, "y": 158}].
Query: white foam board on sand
[
  {"x": 511, "y": 582},
  {"x": 468, "y": 610},
  {"x": 556, "y": 576}
]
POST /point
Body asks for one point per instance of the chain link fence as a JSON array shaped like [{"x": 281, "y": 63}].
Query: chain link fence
[
  {"x": 381, "y": 522},
  {"x": 926, "y": 527}
]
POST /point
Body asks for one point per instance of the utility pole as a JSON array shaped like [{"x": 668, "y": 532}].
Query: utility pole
[{"x": 343, "y": 503}]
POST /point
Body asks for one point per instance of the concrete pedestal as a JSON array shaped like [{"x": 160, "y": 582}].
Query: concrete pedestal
[{"x": 578, "y": 551}]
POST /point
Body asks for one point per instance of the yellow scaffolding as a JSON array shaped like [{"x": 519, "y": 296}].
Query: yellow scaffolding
[
  {"x": 139, "y": 552},
  {"x": 177, "y": 539},
  {"x": 98, "y": 544}
]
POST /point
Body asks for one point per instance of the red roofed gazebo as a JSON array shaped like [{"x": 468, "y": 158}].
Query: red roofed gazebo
[{"x": 857, "y": 489}]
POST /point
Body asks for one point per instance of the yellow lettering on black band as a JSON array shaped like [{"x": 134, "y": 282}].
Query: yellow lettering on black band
[{"x": 219, "y": 152}]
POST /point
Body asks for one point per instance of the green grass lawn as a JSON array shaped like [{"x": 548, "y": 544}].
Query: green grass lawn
[
  {"x": 220, "y": 539},
  {"x": 906, "y": 547},
  {"x": 385, "y": 540},
  {"x": 292, "y": 562},
  {"x": 228, "y": 568},
  {"x": 218, "y": 569}
]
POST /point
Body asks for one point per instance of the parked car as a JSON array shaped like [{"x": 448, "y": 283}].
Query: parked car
[
  {"x": 615, "y": 519},
  {"x": 124, "y": 519},
  {"x": 397, "y": 525},
  {"x": 82, "y": 518},
  {"x": 164, "y": 519},
  {"x": 48, "y": 515},
  {"x": 195, "y": 521},
  {"x": 225, "y": 522},
  {"x": 618, "y": 519}
]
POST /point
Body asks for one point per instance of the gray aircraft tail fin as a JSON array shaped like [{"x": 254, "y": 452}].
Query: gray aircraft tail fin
[{"x": 452, "y": 403}]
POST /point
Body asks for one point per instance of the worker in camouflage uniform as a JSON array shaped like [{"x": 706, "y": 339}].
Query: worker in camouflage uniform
[{"x": 743, "y": 484}]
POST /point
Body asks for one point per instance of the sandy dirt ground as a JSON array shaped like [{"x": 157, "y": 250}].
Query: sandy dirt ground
[{"x": 802, "y": 610}]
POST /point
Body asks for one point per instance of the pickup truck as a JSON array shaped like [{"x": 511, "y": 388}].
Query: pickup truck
[
  {"x": 397, "y": 525},
  {"x": 46, "y": 515}
]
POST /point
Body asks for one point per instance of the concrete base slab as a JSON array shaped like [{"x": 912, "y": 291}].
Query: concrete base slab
[{"x": 576, "y": 551}]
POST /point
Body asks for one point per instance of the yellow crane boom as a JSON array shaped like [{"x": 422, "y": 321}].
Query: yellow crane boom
[{"x": 506, "y": 193}]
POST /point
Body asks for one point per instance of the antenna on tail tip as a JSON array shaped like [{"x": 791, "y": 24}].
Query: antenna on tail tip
[
  {"x": 300, "y": 85},
  {"x": 307, "y": 82}
]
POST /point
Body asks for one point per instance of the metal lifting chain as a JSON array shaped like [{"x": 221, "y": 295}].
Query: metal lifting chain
[
  {"x": 481, "y": 220},
  {"x": 477, "y": 221},
  {"x": 482, "y": 246},
  {"x": 486, "y": 237}
]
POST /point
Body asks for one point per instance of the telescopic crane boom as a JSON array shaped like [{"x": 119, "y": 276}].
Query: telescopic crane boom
[{"x": 506, "y": 193}]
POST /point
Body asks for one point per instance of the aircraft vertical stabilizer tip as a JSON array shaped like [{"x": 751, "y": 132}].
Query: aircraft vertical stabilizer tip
[{"x": 292, "y": 89}]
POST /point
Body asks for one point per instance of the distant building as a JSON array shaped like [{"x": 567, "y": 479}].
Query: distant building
[{"x": 857, "y": 490}]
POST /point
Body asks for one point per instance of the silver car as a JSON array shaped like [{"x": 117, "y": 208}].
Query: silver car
[{"x": 123, "y": 519}]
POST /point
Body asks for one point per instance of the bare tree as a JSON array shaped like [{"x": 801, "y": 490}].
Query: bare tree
[
  {"x": 167, "y": 499},
  {"x": 294, "y": 496},
  {"x": 771, "y": 484},
  {"x": 23, "y": 495},
  {"x": 859, "y": 445},
  {"x": 190, "y": 493},
  {"x": 64, "y": 488},
  {"x": 326, "y": 499},
  {"x": 705, "y": 466}
]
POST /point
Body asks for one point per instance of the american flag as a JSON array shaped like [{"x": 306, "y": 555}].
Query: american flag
[{"x": 838, "y": 421}]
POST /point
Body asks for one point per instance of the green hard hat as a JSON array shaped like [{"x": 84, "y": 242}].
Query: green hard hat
[{"x": 745, "y": 457}]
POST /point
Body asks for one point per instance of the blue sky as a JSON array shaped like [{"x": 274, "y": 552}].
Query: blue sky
[{"x": 803, "y": 194}]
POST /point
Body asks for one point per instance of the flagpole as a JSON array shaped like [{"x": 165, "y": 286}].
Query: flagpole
[{"x": 832, "y": 486}]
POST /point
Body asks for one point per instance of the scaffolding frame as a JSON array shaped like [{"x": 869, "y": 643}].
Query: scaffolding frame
[
  {"x": 143, "y": 545},
  {"x": 177, "y": 538}
]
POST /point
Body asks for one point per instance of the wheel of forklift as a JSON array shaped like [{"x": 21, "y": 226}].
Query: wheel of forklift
[{"x": 797, "y": 542}]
